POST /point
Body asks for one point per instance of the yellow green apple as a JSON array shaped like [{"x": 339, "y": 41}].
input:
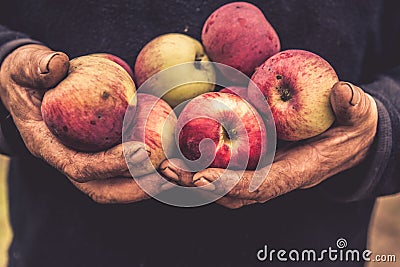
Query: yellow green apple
[{"x": 193, "y": 73}]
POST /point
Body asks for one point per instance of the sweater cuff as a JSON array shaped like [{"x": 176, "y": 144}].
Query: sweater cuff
[
  {"x": 10, "y": 138},
  {"x": 362, "y": 181},
  {"x": 10, "y": 46},
  {"x": 5, "y": 50}
]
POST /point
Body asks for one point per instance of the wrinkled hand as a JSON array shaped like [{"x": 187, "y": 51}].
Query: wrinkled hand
[
  {"x": 25, "y": 75},
  {"x": 299, "y": 165},
  {"x": 174, "y": 169}
]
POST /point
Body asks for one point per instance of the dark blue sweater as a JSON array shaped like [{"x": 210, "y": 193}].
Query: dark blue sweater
[{"x": 56, "y": 225}]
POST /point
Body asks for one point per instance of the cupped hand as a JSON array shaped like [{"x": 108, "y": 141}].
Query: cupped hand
[
  {"x": 298, "y": 165},
  {"x": 25, "y": 75},
  {"x": 175, "y": 170}
]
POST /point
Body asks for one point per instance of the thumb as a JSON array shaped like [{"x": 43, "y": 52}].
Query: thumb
[
  {"x": 176, "y": 170},
  {"x": 37, "y": 66},
  {"x": 352, "y": 106}
]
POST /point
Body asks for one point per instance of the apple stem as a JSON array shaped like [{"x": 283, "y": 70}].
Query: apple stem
[{"x": 197, "y": 61}]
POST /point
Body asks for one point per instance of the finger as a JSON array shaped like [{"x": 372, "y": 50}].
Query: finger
[
  {"x": 137, "y": 158},
  {"x": 24, "y": 104},
  {"x": 83, "y": 167},
  {"x": 223, "y": 181},
  {"x": 124, "y": 189},
  {"x": 203, "y": 182},
  {"x": 135, "y": 152},
  {"x": 174, "y": 169},
  {"x": 112, "y": 190},
  {"x": 351, "y": 104},
  {"x": 209, "y": 179},
  {"x": 38, "y": 67},
  {"x": 234, "y": 203}
]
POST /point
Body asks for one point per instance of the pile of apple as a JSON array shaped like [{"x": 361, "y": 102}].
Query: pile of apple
[{"x": 224, "y": 128}]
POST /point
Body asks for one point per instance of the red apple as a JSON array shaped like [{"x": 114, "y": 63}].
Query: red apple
[
  {"x": 86, "y": 110},
  {"x": 117, "y": 60},
  {"x": 236, "y": 90},
  {"x": 238, "y": 35},
  {"x": 152, "y": 123},
  {"x": 235, "y": 131},
  {"x": 297, "y": 85},
  {"x": 267, "y": 118}
]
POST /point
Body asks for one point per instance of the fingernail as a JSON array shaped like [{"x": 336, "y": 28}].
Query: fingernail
[
  {"x": 45, "y": 63},
  {"x": 195, "y": 179},
  {"x": 355, "y": 96},
  {"x": 202, "y": 182},
  {"x": 170, "y": 173}
]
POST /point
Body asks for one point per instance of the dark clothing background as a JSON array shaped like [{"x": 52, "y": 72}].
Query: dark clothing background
[{"x": 57, "y": 225}]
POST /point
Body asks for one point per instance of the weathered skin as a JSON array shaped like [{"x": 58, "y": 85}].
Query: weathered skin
[
  {"x": 25, "y": 75},
  {"x": 233, "y": 125},
  {"x": 297, "y": 85},
  {"x": 300, "y": 165},
  {"x": 85, "y": 111},
  {"x": 239, "y": 35},
  {"x": 170, "y": 50},
  {"x": 153, "y": 124}
]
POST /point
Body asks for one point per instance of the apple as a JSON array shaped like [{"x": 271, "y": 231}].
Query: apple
[
  {"x": 221, "y": 130},
  {"x": 297, "y": 85},
  {"x": 170, "y": 50},
  {"x": 85, "y": 111},
  {"x": 153, "y": 123},
  {"x": 236, "y": 90},
  {"x": 117, "y": 60},
  {"x": 267, "y": 118},
  {"x": 239, "y": 35}
]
